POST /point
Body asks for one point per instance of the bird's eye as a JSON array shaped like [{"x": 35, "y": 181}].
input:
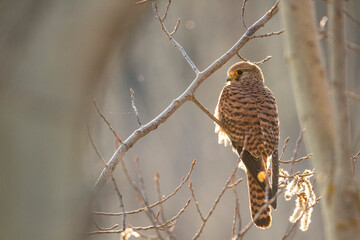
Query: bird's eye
[{"x": 239, "y": 72}]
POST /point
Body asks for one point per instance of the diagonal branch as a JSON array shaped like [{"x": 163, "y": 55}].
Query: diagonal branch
[{"x": 184, "y": 97}]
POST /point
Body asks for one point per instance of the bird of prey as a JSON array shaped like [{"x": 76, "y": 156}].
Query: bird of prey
[{"x": 249, "y": 120}]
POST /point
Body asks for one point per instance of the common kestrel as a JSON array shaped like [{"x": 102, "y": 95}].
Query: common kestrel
[{"x": 248, "y": 113}]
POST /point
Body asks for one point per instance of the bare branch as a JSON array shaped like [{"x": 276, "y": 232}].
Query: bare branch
[
  {"x": 105, "y": 229},
  {"x": 355, "y": 20},
  {"x": 257, "y": 63},
  {"x": 159, "y": 227},
  {"x": 354, "y": 160},
  {"x": 284, "y": 148},
  {"x": 112, "y": 178},
  {"x": 175, "y": 28},
  {"x": 158, "y": 190},
  {"x": 268, "y": 34},
  {"x": 167, "y": 222},
  {"x": 232, "y": 176},
  {"x": 235, "y": 183},
  {"x": 296, "y": 149},
  {"x": 169, "y": 35},
  {"x": 242, "y": 58},
  {"x": 356, "y": 156},
  {"x": 297, "y": 160},
  {"x": 132, "y": 93},
  {"x": 243, "y": 14},
  {"x": 144, "y": 199},
  {"x": 196, "y": 202},
  {"x": 161, "y": 209},
  {"x": 184, "y": 97},
  {"x": 263, "y": 61},
  {"x": 157, "y": 203},
  {"x": 166, "y": 11},
  {"x": 297, "y": 174},
  {"x": 237, "y": 217},
  {"x": 105, "y": 120},
  {"x": 352, "y": 46},
  {"x": 202, "y": 108}
]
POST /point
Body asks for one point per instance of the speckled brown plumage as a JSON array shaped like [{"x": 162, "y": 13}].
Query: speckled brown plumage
[{"x": 248, "y": 111}]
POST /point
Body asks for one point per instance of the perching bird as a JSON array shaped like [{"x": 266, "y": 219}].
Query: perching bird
[{"x": 248, "y": 113}]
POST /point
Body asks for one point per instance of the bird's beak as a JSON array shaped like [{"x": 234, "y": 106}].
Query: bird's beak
[{"x": 228, "y": 79}]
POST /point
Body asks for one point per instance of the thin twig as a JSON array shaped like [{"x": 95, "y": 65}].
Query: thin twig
[
  {"x": 175, "y": 27},
  {"x": 232, "y": 176},
  {"x": 241, "y": 57},
  {"x": 166, "y": 224},
  {"x": 257, "y": 63},
  {"x": 297, "y": 174},
  {"x": 350, "y": 45},
  {"x": 132, "y": 93},
  {"x": 166, "y": 11},
  {"x": 354, "y": 160},
  {"x": 112, "y": 178},
  {"x": 196, "y": 202},
  {"x": 169, "y": 35},
  {"x": 268, "y": 34},
  {"x": 243, "y": 14},
  {"x": 263, "y": 61},
  {"x": 143, "y": 197},
  {"x": 158, "y": 190},
  {"x": 105, "y": 120},
  {"x": 234, "y": 184},
  {"x": 105, "y": 229},
  {"x": 140, "y": 177},
  {"x": 284, "y": 148},
  {"x": 158, "y": 202},
  {"x": 296, "y": 149},
  {"x": 355, "y": 20},
  {"x": 297, "y": 160},
  {"x": 161, "y": 209},
  {"x": 197, "y": 103},
  {"x": 356, "y": 156},
  {"x": 237, "y": 215},
  {"x": 184, "y": 97}
]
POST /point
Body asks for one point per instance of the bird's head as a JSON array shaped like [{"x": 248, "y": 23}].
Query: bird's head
[{"x": 243, "y": 70}]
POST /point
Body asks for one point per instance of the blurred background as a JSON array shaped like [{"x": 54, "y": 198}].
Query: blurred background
[{"x": 141, "y": 57}]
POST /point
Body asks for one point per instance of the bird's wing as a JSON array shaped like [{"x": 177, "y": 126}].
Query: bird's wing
[
  {"x": 269, "y": 123},
  {"x": 253, "y": 165},
  {"x": 267, "y": 114}
]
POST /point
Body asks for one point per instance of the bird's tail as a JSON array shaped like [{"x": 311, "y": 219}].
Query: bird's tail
[{"x": 257, "y": 201}]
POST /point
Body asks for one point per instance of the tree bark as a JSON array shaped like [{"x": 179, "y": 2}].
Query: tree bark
[
  {"x": 345, "y": 222},
  {"x": 326, "y": 127}
]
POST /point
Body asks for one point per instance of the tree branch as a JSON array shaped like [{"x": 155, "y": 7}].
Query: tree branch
[{"x": 154, "y": 204}]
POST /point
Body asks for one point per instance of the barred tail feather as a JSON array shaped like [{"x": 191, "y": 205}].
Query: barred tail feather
[{"x": 257, "y": 200}]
